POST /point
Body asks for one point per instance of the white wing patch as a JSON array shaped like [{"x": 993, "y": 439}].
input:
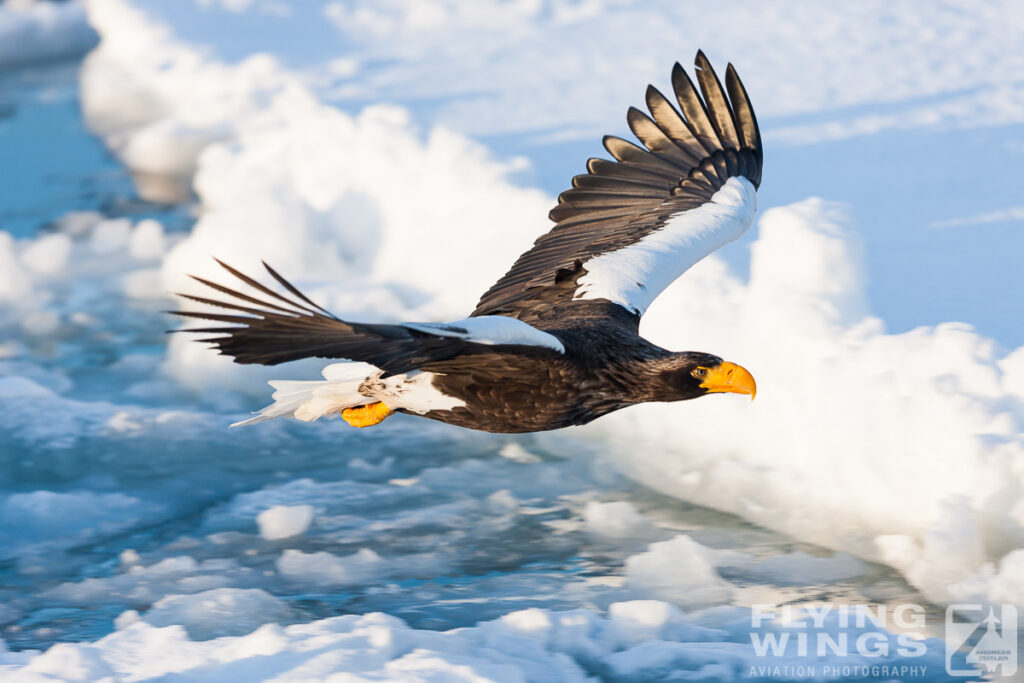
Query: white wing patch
[
  {"x": 633, "y": 276},
  {"x": 491, "y": 330}
]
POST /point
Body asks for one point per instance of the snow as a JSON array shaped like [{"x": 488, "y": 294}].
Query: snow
[
  {"x": 147, "y": 241},
  {"x": 284, "y": 521},
  {"x": 534, "y": 49},
  {"x": 638, "y": 621},
  {"x": 516, "y": 453},
  {"x": 616, "y": 519},
  {"x": 218, "y": 612},
  {"x": 363, "y": 568},
  {"x": 43, "y": 31},
  {"x": 323, "y": 568},
  {"x": 14, "y": 283},
  {"x": 881, "y": 432},
  {"x": 110, "y": 236},
  {"x": 880, "y": 462},
  {"x": 48, "y": 255},
  {"x": 533, "y": 644},
  {"x": 40, "y": 323},
  {"x": 680, "y": 571},
  {"x": 141, "y": 586}
]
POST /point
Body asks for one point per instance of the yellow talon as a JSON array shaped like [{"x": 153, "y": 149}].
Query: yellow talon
[{"x": 366, "y": 416}]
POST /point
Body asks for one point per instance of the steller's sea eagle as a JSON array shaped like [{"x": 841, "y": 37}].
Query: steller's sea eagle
[{"x": 555, "y": 341}]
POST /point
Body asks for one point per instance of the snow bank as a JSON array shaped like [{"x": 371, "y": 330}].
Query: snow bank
[
  {"x": 645, "y": 640},
  {"x": 43, "y": 31},
  {"x": 138, "y": 89},
  {"x": 330, "y": 194},
  {"x": 904, "y": 449},
  {"x": 326, "y": 197}
]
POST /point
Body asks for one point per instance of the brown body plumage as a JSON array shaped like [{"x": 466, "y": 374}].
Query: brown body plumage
[{"x": 604, "y": 368}]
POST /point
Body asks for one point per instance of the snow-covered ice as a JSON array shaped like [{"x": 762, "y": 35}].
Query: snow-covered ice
[
  {"x": 639, "y": 640},
  {"x": 880, "y": 464},
  {"x": 284, "y": 521},
  {"x": 217, "y": 612},
  {"x": 37, "y": 31}
]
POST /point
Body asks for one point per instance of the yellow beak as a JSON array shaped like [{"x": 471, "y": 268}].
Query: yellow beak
[{"x": 729, "y": 377}]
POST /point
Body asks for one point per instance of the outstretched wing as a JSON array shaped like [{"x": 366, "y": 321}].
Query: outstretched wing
[
  {"x": 273, "y": 328},
  {"x": 628, "y": 228}
]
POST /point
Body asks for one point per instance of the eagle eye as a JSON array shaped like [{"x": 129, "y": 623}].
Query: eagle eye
[{"x": 700, "y": 373}]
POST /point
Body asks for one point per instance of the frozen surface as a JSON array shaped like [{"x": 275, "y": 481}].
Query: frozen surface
[
  {"x": 216, "y": 612},
  {"x": 284, "y": 521},
  {"x": 636, "y": 641},
  {"x": 874, "y": 467}
]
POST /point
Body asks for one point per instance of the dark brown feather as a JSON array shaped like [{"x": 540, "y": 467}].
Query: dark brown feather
[
  {"x": 718, "y": 108},
  {"x": 687, "y": 156},
  {"x": 696, "y": 116},
  {"x": 673, "y": 125},
  {"x": 273, "y": 333},
  {"x": 654, "y": 139}
]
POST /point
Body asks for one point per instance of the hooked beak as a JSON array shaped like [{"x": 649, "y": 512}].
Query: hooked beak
[{"x": 731, "y": 378}]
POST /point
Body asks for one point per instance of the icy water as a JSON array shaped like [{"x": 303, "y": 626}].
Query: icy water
[
  {"x": 119, "y": 488},
  {"x": 370, "y": 152},
  {"x": 51, "y": 164}
]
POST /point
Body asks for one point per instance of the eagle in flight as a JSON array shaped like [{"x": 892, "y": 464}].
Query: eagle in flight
[{"x": 555, "y": 342}]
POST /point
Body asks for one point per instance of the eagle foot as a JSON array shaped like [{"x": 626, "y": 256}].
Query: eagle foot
[{"x": 366, "y": 416}]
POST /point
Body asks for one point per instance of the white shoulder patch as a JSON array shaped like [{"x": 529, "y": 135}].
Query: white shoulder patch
[
  {"x": 491, "y": 330},
  {"x": 633, "y": 276}
]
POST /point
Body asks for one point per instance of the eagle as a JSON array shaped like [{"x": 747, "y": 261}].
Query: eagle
[{"x": 555, "y": 342}]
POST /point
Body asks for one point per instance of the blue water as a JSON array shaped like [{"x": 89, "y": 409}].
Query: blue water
[{"x": 50, "y": 164}]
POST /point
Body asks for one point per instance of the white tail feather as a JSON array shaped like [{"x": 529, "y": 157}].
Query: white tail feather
[{"x": 308, "y": 400}]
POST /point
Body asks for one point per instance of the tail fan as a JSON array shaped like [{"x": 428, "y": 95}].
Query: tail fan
[{"x": 309, "y": 400}]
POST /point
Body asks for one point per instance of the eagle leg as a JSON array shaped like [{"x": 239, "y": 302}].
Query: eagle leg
[{"x": 366, "y": 416}]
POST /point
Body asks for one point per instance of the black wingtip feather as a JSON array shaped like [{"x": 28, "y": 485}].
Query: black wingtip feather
[
  {"x": 245, "y": 297},
  {"x": 746, "y": 120},
  {"x": 294, "y": 290},
  {"x": 263, "y": 288},
  {"x": 716, "y": 103}
]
